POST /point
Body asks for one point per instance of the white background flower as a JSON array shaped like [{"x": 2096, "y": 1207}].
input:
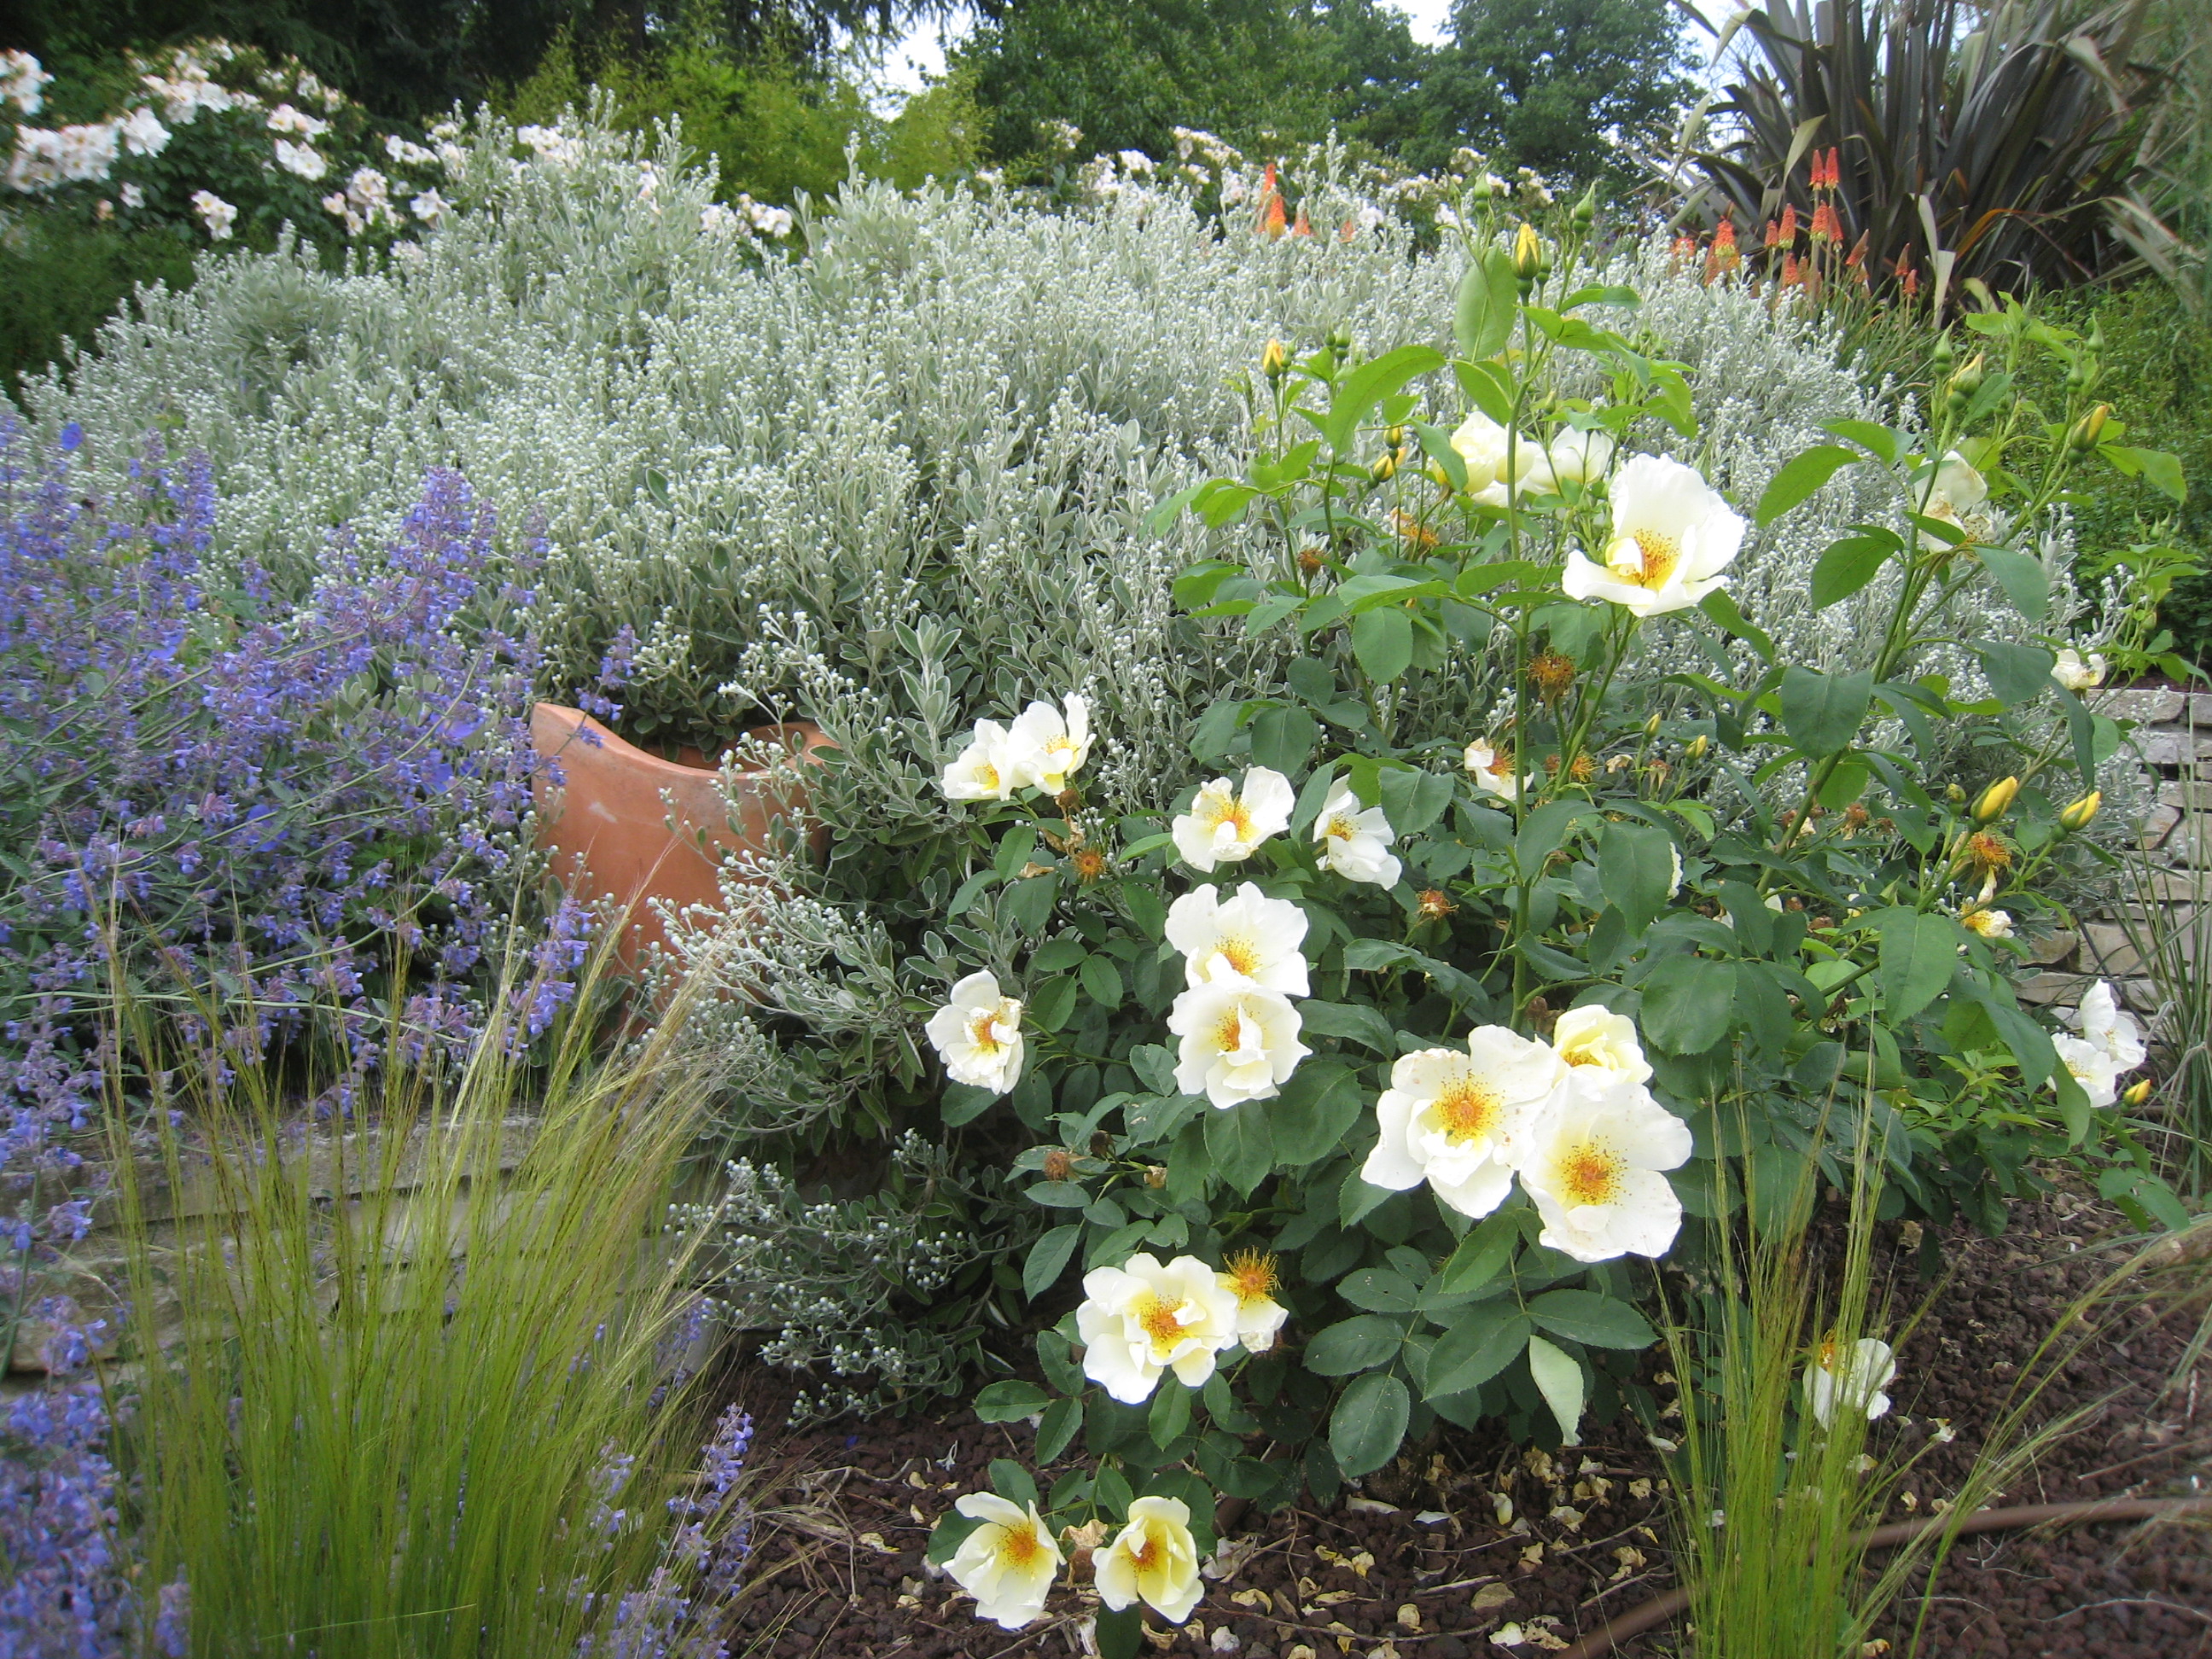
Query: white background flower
[
  {"x": 1240, "y": 1041},
  {"x": 1592, "y": 1035},
  {"x": 1355, "y": 841},
  {"x": 978, "y": 1035},
  {"x": 1451, "y": 1118},
  {"x": 1225, "y": 824},
  {"x": 144, "y": 133},
  {"x": 1143, "y": 1318},
  {"x": 1008, "y": 1563},
  {"x": 1854, "y": 1380},
  {"x": 301, "y": 159},
  {"x": 1591, "y": 1161},
  {"x": 1154, "y": 1557},
  {"x": 1493, "y": 770},
  {"x": 1672, "y": 536},
  {"x": 1049, "y": 747},
  {"x": 1247, "y": 935},
  {"x": 217, "y": 214}
]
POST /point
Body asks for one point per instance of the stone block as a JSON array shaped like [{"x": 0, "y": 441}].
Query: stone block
[
  {"x": 2189, "y": 844},
  {"x": 2151, "y": 707},
  {"x": 2053, "y": 949},
  {"x": 2155, "y": 824},
  {"x": 2172, "y": 746},
  {"x": 2045, "y": 990},
  {"x": 2105, "y": 950},
  {"x": 2185, "y": 793}
]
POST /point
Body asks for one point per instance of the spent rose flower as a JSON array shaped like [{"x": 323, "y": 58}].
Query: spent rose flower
[
  {"x": 2076, "y": 673},
  {"x": 1247, "y": 935},
  {"x": 1154, "y": 1558},
  {"x": 1009, "y": 1563},
  {"x": 1853, "y": 1379},
  {"x": 988, "y": 768},
  {"x": 1592, "y": 1035},
  {"x": 1226, "y": 823},
  {"x": 1988, "y": 923},
  {"x": 1240, "y": 1041},
  {"x": 1355, "y": 841},
  {"x": 1143, "y": 1318},
  {"x": 1452, "y": 1118},
  {"x": 1051, "y": 747},
  {"x": 1591, "y": 1160},
  {"x": 1952, "y": 495},
  {"x": 1673, "y": 537},
  {"x": 1251, "y": 1279},
  {"x": 978, "y": 1035}
]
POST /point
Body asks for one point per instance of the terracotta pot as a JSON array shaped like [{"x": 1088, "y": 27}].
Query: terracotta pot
[{"x": 630, "y": 825}]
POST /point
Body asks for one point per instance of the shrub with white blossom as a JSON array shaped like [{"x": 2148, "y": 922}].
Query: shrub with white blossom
[{"x": 1470, "y": 1027}]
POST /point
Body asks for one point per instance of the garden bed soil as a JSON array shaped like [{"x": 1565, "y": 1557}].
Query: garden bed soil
[{"x": 1416, "y": 1566}]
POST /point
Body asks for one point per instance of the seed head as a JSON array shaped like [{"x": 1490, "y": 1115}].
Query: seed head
[
  {"x": 1550, "y": 674},
  {"x": 1435, "y": 904}
]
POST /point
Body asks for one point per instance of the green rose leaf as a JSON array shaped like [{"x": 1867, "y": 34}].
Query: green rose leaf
[
  {"x": 1849, "y": 565},
  {"x": 1559, "y": 1380},
  {"x": 1481, "y": 1343},
  {"x": 1598, "y": 1321},
  {"x": 2018, "y": 673},
  {"x": 1061, "y": 1419},
  {"x": 1482, "y": 319},
  {"x": 1481, "y": 1255},
  {"x": 1241, "y": 1141},
  {"x": 1171, "y": 1412},
  {"x": 1636, "y": 870},
  {"x": 2025, "y": 581},
  {"x": 1102, "y": 980},
  {"x": 1917, "y": 954},
  {"x": 1011, "y": 1401},
  {"x": 1322, "y": 1101},
  {"x": 1688, "y": 1004},
  {"x": 1383, "y": 641},
  {"x": 1048, "y": 1258},
  {"x": 1357, "y": 1344},
  {"x": 1369, "y": 1423},
  {"x": 1822, "y": 712},
  {"x": 1804, "y": 475}
]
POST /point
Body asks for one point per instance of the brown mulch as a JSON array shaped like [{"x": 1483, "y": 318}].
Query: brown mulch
[{"x": 1415, "y": 1563}]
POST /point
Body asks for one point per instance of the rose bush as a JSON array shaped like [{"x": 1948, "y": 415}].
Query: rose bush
[{"x": 1361, "y": 1077}]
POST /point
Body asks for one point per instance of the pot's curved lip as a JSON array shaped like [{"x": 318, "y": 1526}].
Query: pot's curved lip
[{"x": 578, "y": 722}]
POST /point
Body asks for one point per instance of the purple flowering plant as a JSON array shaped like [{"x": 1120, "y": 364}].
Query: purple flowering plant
[{"x": 241, "y": 807}]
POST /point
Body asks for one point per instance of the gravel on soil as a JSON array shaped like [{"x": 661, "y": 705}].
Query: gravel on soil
[{"x": 1415, "y": 1563}]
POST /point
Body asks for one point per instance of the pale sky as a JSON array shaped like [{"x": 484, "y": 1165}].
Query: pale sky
[{"x": 921, "y": 57}]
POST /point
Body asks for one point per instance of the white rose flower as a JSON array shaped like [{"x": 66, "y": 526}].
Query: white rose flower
[
  {"x": 1453, "y": 1119},
  {"x": 1594, "y": 1036},
  {"x": 1226, "y": 824},
  {"x": 2112, "y": 1027},
  {"x": 300, "y": 159},
  {"x": 978, "y": 1035},
  {"x": 1141, "y": 1319},
  {"x": 1591, "y": 1161},
  {"x": 1672, "y": 536},
  {"x": 1493, "y": 770},
  {"x": 2091, "y": 1066},
  {"x": 1008, "y": 1563},
  {"x": 2074, "y": 673},
  {"x": 1854, "y": 1380},
  {"x": 1483, "y": 445},
  {"x": 133, "y": 197},
  {"x": 1251, "y": 1280},
  {"x": 285, "y": 118},
  {"x": 988, "y": 768},
  {"x": 1355, "y": 840},
  {"x": 1052, "y": 748},
  {"x": 144, "y": 133},
  {"x": 430, "y": 207},
  {"x": 1154, "y": 1557},
  {"x": 1247, "y": 936},
  {"x": 1577, "y": 456},
  {"x": 1956, "y": 490},
  {"x": 1240, "y": 1041}
]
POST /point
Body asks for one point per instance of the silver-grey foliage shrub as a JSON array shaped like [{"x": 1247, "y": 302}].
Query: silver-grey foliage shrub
[{"x": 892, "y": 485}]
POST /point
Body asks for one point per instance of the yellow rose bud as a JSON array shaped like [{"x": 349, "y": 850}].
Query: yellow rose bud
[
  {"x": 2090, "y": 428},
  {"x": 1651, "y": 727},
  {"x": 1274, "y": 359},
  {"x": 1698, "y": 746},
  {"x": 2137, "y": 1093},
  {"x": 2076, "y": 817},
  {"x": 1993, "y": 802},
  {"x": 1528, "y": 254},
  {"x": 1385, "y": 469}
]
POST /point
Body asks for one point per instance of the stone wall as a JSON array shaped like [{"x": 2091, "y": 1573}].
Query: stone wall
[{"x": 2173, "y": 733}]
